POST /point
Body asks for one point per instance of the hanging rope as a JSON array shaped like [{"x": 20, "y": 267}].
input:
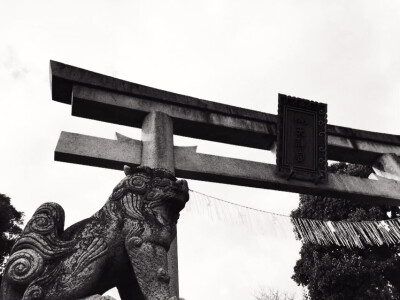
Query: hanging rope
[{"x": 340, "y": 233}]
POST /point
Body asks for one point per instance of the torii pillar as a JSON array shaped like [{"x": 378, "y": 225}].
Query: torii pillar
[{"x": 158, "y": 152}]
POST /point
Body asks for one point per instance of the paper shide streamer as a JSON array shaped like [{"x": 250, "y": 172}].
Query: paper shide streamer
[{"x": 340, "y": 233}]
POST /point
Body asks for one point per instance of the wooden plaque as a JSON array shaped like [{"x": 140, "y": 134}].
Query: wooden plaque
[{"x": 302, "y": 139}]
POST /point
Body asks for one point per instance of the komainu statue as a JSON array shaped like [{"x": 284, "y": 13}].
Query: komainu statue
[{"x": 123, "y": 245}]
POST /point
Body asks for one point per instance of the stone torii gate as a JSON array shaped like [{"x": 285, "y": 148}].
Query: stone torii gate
[{"x": 162, "y": 114}]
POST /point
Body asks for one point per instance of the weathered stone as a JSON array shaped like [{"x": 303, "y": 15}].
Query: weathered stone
[
  {"x": 90, "y": 150},
  {"x": 123, "y": 245},
  {"x": 158, "y": 152},
  {"x": 388, "y": 166},
  {"x": 192, "y": 165},
  {"x": 98, "y": 297},
  {"x": 109, "y": 99},
  {"x": 158, "y": 141}
]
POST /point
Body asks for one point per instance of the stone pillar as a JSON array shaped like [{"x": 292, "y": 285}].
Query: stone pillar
[
  {"x": 173, "y": 268},
  {"x": 158, "y": 152},
  {"x": 158, "y": 141}
]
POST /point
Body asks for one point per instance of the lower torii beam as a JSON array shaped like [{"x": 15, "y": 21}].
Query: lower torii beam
[
  {"x": 106, "y": 153},
  {"x": 388, "y": 166}
]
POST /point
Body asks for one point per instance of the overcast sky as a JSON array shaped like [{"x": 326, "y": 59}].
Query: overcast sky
[{"x": 242, "y": 53}]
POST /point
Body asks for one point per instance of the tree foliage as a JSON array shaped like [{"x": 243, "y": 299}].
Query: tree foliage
[
  {"x": 272, "y": 294},
  {"x": 336, "y": 273},
  {"x": 10, "y": 222}
]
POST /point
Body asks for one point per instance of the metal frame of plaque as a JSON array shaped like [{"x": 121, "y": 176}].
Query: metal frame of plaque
[{"x": 302, "y": 139}]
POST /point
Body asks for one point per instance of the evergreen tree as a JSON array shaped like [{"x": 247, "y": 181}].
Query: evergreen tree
[
  {"x": 340, "y": 273},
  {"x": 10, "y": 222}
]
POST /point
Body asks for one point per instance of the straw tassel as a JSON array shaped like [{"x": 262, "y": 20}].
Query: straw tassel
[{"x": 340, "y": 233}]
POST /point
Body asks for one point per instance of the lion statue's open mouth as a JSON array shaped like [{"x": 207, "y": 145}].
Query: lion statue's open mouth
[{"x": 143, "y": 190}]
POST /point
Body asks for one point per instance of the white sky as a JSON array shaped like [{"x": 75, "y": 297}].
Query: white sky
[{"x": 242, "y": 53}]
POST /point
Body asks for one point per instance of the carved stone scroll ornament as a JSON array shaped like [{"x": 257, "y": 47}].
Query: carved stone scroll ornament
[{"x": 123, "y": 245}]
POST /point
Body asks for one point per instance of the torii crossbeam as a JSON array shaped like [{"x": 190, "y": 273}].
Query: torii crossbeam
[{"x": 162, "y": 114}]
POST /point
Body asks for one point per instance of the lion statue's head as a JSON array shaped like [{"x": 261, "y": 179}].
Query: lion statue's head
[{"x": 145, "y": 190}]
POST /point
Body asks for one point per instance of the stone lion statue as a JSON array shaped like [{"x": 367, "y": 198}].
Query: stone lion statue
[{"x": 123, "y": 245}]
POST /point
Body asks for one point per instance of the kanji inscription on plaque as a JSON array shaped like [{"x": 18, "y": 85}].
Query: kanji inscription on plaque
[{"x": 302, "y": 139}]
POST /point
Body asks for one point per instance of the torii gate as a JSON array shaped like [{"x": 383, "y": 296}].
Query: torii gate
[{"x": 162, "y": 114}]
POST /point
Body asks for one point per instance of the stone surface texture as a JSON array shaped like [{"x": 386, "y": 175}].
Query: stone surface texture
[
  {"x": 192, "y": 165},
  {"x": 98, "y": 297},
  {"x": 123, "y": 245},
  {"x": 388, "y": 166},
  {"x": 199, "y": 118},
  {"x": 158, "y": 152}
]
